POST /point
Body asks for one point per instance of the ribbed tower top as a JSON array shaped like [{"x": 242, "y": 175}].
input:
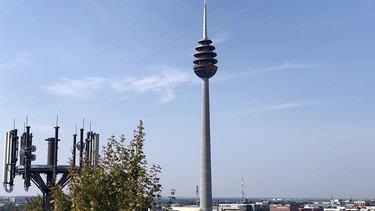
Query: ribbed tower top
[{"x": 205, "y": 56}]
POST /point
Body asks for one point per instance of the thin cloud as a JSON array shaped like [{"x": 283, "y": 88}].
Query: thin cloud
[
  {"x": 281, "y": 67},
  {"x": 78, "y": 88},
  {"x": 280, "y": 107},
  {"x": 21, "y": 60},
  {"x": 163, "y": 84},
  {"x": 220, "y": 38},
  {"x": 286, "y": 66}
]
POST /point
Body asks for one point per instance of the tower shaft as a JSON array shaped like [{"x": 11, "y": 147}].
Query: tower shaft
[{"x": 205, "y": 180}]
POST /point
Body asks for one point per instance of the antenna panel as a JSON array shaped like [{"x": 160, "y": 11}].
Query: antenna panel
[{"x": 6, "y": 159}]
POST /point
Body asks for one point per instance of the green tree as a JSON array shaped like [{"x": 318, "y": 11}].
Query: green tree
[
  {"x": 34, "y": 204},
  {"x": 61, "y": 201},
  {"x": 122, "y": 179},
  {"x": 171, "y": 200}
]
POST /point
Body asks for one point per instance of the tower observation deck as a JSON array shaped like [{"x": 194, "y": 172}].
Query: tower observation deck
[
  {"x": 205, "y": 62},
  {"x": 205, "y": 59}
]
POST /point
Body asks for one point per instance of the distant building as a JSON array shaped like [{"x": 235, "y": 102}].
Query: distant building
[
  {"x": 306, "y": 208},
  {"x": 261, "y": 206},
  {"x": 188, "y": 208},
  {"x": 335, "y": 209},
  {"x": 7, "y": 200},
  {"x": 359, "y": 204},
  {"x": 236, "y": 207},
  {"x": 258, "y": 206},
  {"x": 283, "y": 207}
]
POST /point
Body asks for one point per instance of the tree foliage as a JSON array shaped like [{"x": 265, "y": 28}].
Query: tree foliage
[
  {"x": 34, "y": 204},
  {"x": 61, "y": 201},
  {"x": 171, "y": 200},
  {"x": 121, "y": 180}
]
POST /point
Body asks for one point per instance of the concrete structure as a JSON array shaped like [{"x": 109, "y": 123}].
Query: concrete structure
[{"x": 205, "y": 68}]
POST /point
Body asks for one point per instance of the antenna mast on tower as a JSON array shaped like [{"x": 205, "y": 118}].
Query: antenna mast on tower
[{"x": 205, "y": 21}]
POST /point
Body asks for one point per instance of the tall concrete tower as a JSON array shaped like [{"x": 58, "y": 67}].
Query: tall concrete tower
[{"x": 205, "y": 68}]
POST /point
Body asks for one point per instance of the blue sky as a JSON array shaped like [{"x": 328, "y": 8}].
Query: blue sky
[{"x": 292, "y": 103}]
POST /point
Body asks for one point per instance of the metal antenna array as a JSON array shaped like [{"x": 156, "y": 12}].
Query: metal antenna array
[{"x": 14, "y": 150}]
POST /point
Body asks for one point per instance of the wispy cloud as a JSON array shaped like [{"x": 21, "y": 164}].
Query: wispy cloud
[
  {"x": 220, "y": 38},
  {"x": 281, "y": 67},
  {"x": 164, "y": 84},
  {"x": 20, "y": 60},
  {"x": 284, "y": 66},
  {"x": 79, "y": 88},
  {"x": 280, "y": 107}
]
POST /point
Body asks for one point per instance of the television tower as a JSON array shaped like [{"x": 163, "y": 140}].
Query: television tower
[{"x": 205, "y": 68}]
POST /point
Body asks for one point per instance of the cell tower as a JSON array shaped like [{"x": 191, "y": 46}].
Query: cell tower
[
  {"x": 205, "y": 68},
  {"x": 22, "y": 151}
]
